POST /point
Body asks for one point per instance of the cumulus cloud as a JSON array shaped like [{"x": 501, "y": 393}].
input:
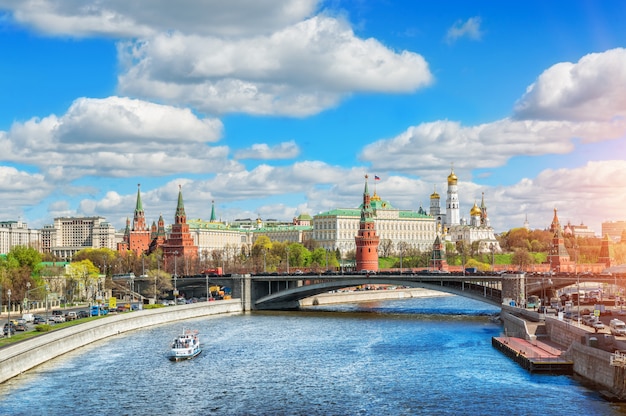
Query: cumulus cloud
[
  {"x": 21, "y": 188},
  {"x": 591, "y": 89},
  {"x": 285, "y": 150},
  {"x": 300, "y": 70},
  {"x": 568, "y": 102},
  {"x": 427, "y": 149},
  {"x": 591, "y": 188},
  {"x": 465, "y": 29},
  {"x": 141, "y": 18},
  {"x": 117, "y": 137}
]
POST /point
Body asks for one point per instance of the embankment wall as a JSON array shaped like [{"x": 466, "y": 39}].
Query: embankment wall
[
  {"x": 369, "y": 296},
  {"x": 24, "y": 355}
]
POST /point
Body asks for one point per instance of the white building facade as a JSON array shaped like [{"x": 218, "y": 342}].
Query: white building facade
[
  {"x": 17, "y": 233},
  {"x": 68, "y": 235},
  {"x": 337, "y": 228}
]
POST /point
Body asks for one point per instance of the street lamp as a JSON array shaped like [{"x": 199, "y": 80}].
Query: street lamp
[
  {"x": 26, "y": 297},
  {"x": 9, "y": 310},
  {"x": 327, "y": 258},
  {"x": 341, "y": 260},
  {"x": 175, "y": 274},
  {"x": 287, "y": 259},
  {"x": 46, "y": 303},
  {"x": 264, "y": 261},
  {"x": 155, "y": 279}
]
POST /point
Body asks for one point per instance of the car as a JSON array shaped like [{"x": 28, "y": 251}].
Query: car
[
  {"x": 83, "y": 314},
  {"x": 298, "y": 272},
  {"x": 39, "y": 320},
  {"x": 9, "y": 328},
  {"x": 20, "y": 327},
  {"x": 71, "y": 315}
]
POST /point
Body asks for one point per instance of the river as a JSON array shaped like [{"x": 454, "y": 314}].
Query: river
[{"x": 421, "y": 356}]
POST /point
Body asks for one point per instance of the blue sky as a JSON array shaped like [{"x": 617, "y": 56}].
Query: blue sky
[{"x": 274, "y": 109}]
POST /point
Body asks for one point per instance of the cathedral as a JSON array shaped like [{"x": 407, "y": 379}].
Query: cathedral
[{"x": 455, "y": 229}]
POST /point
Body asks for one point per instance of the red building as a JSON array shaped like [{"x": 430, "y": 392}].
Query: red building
[
  {"x": 558, "y": 257},
  {"x": 136, "y": 238},
  {"x": 179, "y": 245},
  {"x": 366, "y": 240}
]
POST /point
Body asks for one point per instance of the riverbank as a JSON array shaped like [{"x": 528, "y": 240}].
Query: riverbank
[
  {"x": 369, "y": 296},
  {"x": 24, "y": 355},
  {"x": 595, "y": 357}
]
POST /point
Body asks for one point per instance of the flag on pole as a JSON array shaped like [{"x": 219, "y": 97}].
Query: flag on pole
[{"x": 376, "y": 178}]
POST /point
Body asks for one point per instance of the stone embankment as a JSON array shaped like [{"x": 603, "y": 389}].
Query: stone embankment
[
  {"x": 598, "y": 358},
  {"x": 369, "y": 296},
  {"x": 24, "y": 355}
]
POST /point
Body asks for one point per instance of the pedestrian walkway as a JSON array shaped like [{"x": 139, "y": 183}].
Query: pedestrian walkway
[{"x": 535, "y": 356}]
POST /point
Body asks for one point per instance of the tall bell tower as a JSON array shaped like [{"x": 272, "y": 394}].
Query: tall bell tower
[
  {"x": 366, "y": 240},
  {"x": 453, "y": 216}
]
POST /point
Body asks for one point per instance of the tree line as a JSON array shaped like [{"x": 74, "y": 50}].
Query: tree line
[{"x": 24, "y": 272}]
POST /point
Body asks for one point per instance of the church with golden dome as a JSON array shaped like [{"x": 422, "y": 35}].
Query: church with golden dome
[{"x": 453, "y": 228}]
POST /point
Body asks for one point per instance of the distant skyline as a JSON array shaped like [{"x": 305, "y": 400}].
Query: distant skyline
[{"x": 279, "y": 108}]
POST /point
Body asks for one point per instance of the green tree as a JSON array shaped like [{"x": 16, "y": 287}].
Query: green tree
[
  {"x": 162, "y": 283},
  {"x": 522, "y": 258},
  {"x": 25, "y": 257},
  {"x": 299, "y": 255},
  {"x": 102, "y": 258},
  {"x": 82, "y": 276}
]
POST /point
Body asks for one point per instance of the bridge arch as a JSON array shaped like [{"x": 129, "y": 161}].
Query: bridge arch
[{"x": 289, "y": 298}]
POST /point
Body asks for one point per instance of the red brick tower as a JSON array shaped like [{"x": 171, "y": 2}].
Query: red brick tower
[
  {"x": 179, "y": 244},
  {"x": 558, "y": 257},
  {"x": 438, "y": 261},
  {"x": 157, "y": 235},
  {"x": 366, "y": 240},
  {"x": 605, "y": 254},
  {"x": 137, "y": 238}
]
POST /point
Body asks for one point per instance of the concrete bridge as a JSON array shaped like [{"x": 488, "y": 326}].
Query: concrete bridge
[
  {"x": 274, "y": 291},
  {"x": 282, "y": 291}
]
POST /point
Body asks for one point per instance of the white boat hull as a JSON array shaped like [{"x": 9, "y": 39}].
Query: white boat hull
[{"x": 185, "y": 346}]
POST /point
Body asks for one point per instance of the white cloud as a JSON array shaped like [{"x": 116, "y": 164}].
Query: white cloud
[
  {"x": 285, "y": 150},
  {"x": 20, "y": 188},
  {"x": 591, "y": 89},
  {"x": 140, "y": 18},
  {"x": 117, "y": 137},
  {"x": 427, "y": 149},
  {"x": 300, "y": 70},
  {"x": 591, "y": 194},
  {"x": 468, "y": 29}
]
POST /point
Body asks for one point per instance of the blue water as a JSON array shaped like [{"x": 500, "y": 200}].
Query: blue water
[{"x": 428, "y": 356}]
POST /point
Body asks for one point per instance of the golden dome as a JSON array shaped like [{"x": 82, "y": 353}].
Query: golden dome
[
  {"x": 452, "y": 179},
  {"x": 475, "y": 210},
  {"x": 375, "y": 197},
  {"x": 434, "y": 195}
]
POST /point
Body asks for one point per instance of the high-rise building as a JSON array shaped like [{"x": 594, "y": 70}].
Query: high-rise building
[
  {"x": 17, "y": 233},
  {"x": 614, "y": 229},
  {"x": 68, "y": 235}
]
